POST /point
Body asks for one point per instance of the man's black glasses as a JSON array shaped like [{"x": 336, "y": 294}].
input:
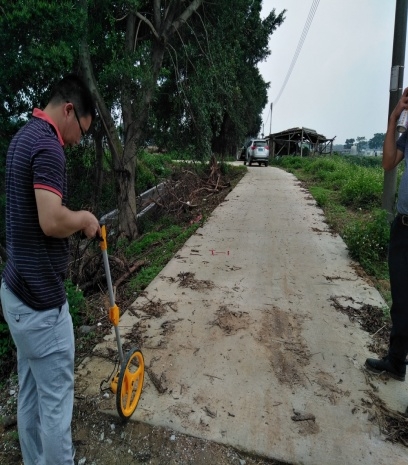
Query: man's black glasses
[{"x": 79, "y": 123}]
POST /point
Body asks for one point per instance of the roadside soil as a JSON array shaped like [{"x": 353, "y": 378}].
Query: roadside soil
[{"x": 100, "y": 437}]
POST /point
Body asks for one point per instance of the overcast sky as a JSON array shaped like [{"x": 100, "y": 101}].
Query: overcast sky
[{"x": 340, "y": 83}]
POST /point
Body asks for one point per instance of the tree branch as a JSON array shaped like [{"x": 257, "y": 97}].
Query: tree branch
[
  {"x": 152, "y": 28},
  {"x": 194, "y": 5}
]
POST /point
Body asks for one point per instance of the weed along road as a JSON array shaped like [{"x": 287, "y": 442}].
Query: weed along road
[{"x": 242, "y": 342}]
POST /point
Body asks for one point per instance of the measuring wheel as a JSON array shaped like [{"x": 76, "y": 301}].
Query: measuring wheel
[{"x": 128, "y": 384}]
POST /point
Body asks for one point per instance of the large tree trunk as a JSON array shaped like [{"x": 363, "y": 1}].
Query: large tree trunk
[{"x": 123, "y": 159}]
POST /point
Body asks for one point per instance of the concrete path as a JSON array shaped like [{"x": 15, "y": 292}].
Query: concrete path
[{"x": 248, "y": 344}]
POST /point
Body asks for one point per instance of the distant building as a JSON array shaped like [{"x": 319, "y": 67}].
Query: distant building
[{"x": 299, "y": 141}]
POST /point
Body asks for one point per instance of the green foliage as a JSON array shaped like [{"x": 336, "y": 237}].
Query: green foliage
[
  {"x": 167, "y": 240},
  {"x": 38, "y": 42},
  {"x": 369, "y": 162},
  {"x": 321, "y": 195},
  {"x": 361, "y": 144},
  {"x": 377, "y": 141},
  {"x": 77, "y": 303},
  {"x": 291, "y": 163},
  {"x": 359, "y": 180},
  {"x": 151, "y": 170},
  {"x": 363, "y": 188},
  {"x": 6, "y": 341},
  {"x": 367, "y": 240},
  {"x": 145, "y": 277},
  {"x": 349, "y": 143},
  {"x": 212, "y": 93}
]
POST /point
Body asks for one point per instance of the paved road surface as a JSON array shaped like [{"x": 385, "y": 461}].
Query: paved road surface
[{"x": 249, "y": 340}]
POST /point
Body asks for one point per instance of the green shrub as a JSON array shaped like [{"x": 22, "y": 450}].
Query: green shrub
[
  {"x": 368, "y": 162},
  {"x": 320, "y": 166},
  {"x": 363, "y": 189},
  {"x": 76, "y": 302},
  {"x": 320, "y": 194},
  {"x": 6, "y": 341},
  {"x": 151, "y": 170},
  {"x": 330, "y": 172},
  {"x": 367, "y": 240},
  {"x": 145, "y": 277},
  {"x": 291, "y": 163}
]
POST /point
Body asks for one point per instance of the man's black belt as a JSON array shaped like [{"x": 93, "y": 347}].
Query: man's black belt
[{"x": 403, "y": 219}]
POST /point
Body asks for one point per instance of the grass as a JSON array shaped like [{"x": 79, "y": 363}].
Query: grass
[{"x": 157, "y": 247}]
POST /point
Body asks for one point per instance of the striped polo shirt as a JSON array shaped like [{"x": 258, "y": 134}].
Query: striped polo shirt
[
  {"x": 402, "y": 202},
  {"x": 36, "y": 264}
]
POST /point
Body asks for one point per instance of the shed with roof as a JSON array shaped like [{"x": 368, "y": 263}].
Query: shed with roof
[{"x": 294, "y": 142}]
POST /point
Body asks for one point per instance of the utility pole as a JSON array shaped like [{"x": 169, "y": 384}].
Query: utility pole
[
  {"x": 270, "y": 125},
  {"x": 396, "y": 84}
]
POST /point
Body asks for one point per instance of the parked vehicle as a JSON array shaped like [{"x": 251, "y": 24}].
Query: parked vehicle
[
  {"x": 241, "y": 153},
  {"x": 257, "y": 151}
]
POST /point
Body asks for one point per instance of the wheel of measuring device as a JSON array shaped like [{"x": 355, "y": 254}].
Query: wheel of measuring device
[{"x": 130, "y": 383}]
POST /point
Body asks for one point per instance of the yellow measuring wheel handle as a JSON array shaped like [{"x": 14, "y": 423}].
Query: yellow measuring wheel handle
[
  {"x": 104, "y": 242},
  {"x": 114, "y": 315}
]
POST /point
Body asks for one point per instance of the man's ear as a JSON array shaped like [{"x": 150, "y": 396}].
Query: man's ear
[{"x": 68, "y": 107}]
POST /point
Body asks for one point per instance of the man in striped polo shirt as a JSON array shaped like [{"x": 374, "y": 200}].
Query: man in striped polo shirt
[{"x": 38, "y": 224}]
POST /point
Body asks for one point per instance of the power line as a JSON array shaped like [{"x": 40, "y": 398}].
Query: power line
[{"x": 309, "y": 20}]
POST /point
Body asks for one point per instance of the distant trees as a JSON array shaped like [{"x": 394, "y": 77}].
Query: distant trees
[
  {"x": 349, "y": 143},
  {"x": 212, "y": 97},
  {"x": 375, "y": 142},
  {"x": 361, "y": 144}
]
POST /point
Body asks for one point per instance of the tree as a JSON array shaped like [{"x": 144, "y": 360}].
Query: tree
[
  {"x": 361, "y": 144},
  {"x": 377, "y": 141},
  {"x": 349, "y": 143},
  {"x": 32, "y": 57},
  {"x": 142, "y": 32},
  {"x": 212, "y": 83}
]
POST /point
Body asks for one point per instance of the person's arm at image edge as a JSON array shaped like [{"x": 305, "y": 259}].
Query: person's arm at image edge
[{"x": 391, "y": 154}]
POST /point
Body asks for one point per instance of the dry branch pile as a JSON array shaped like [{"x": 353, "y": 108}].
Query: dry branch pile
[{"x": 187, "y": 190}]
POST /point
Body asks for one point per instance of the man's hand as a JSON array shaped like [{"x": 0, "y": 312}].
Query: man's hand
[
  {"x": 92, "y": 229},
  {"x": 401, "y": 105}
]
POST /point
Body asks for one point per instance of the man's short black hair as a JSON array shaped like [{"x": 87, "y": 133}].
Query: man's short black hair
[{"x": 74, "y": 90}]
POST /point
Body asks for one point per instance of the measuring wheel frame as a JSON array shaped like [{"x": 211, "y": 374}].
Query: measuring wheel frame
[{"x": 129, "y": 383}]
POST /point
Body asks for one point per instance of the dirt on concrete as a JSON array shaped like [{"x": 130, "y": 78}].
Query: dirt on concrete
[{"x": 100, "y": 436}]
